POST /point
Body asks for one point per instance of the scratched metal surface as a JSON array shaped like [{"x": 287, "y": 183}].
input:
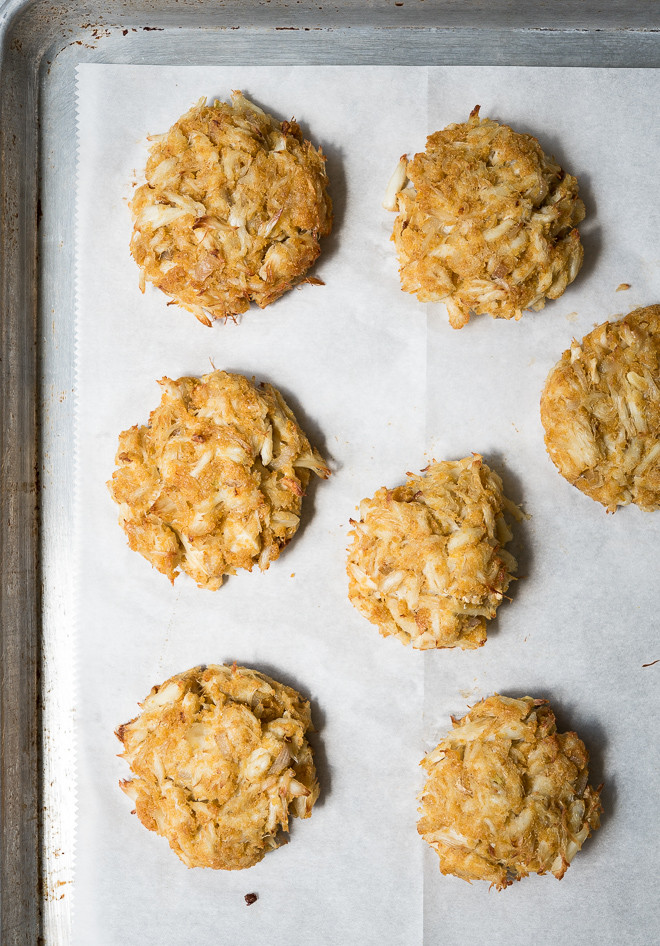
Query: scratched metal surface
[{"x": 41, "y": 44}]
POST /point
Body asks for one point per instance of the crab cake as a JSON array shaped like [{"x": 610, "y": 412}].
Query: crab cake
[
  {"x": 215, "y": 480},
  {"x": 427, "y": 563},
  {"x": 507, "y": 795},
  {"x": 232, "y": 209},
  {"x": 487, "y": 223},
  {"x": 219, "y": 761},
  {"x": 601, "y": 412}
]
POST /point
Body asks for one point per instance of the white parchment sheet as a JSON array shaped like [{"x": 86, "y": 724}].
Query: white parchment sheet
[{"x": 381, "y": 384}]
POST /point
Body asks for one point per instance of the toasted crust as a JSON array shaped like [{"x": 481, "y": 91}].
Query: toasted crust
[
  {"x": 215, "y": 481},
  {"x": 506, "y": 794},
  {"x": 600, "y": 409},
  {"x": 232, "y": 209},
  {"x": 219, "y": 761},
  {"x": 427, "y": 562},
  {"x": 488, "y": 225}
]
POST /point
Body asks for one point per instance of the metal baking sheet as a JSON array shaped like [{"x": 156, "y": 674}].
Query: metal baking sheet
[{"x": 41, "y": 45}]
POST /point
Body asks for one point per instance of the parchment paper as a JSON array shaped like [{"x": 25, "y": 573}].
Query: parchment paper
[{"x": 381, "y": 384}]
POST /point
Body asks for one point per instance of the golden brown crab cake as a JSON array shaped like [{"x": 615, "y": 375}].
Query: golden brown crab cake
[
  {"x": 215, "y": 480},
  {"x": 487, "y": 222},
  {"x": 600, "y": 409},
  {"x": 232, "y": 209},
  {"x": 427, "y": 563},
  {"x": 219, "y": 761},
  {"x": 506, "y": 794}
]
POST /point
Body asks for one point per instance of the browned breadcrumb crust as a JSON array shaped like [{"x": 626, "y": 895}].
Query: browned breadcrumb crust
[
  {"x": 427, "y": 563},
  {"x": 488, "y": 225},
  {"x": 219, "y": 762},
  {"x": 215, "y": 480},
  {"x": 507, "y": 795},
  {"x": 601, "y": 412},
  {"x": 232, "y": 209}
]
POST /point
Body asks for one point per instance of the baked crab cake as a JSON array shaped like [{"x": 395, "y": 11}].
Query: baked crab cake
[
  {"x": 215, "y": 481},
  {"x": 601, "y": 412},
  {"x": 232, "y": 209},
  {"x": 487, "y": 222},
  {"x": 427, "y": 563},
  {"x": 507, "y": 795},
  {"x": 219, "y": 760}
]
